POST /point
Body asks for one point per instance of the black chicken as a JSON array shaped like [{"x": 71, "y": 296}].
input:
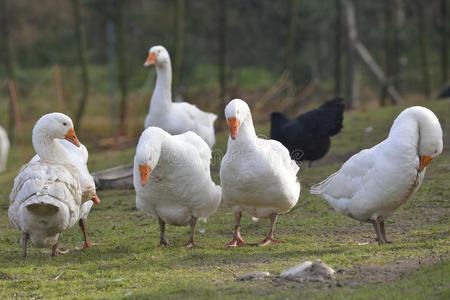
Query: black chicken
[{"x": 308, "y": 136}]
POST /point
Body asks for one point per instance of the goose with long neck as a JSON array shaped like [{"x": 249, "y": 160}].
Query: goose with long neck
[
  {"x": 257, "y": 175},
  {"x": 172, "y": 179},
  {"x": 373, "y": 183},
  {"x": 47, "y": 196},
  {"x": 178, "y": 117}
]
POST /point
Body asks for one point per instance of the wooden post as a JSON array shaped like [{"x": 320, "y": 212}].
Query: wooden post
[
  {"x": 7, "y": 58},
  {"x": 16, "y": 113},
  {"x": 59, "y": 90}
]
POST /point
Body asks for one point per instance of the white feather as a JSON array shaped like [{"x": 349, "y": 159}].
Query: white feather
[
  {"x": 376, "y": 181},
  {"x": 179, "y": 186}
]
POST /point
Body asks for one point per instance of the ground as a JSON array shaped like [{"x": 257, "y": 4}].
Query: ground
[{"x": 126, "y": 263}]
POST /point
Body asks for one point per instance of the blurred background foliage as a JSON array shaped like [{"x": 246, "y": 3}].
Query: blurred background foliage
[{"x": 220, "y": 50}]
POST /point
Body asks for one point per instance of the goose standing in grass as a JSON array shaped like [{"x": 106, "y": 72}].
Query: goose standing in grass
[
  {"x": 178, "y": 117},
  {"x": 376, "y": 181},
  {"x": 257, "y": 175},
  {"x": 79, "y": 157},
  {"x": 172, "y": 179},
  {"x": 47, "y": 195},
  {"x": 4, "y": 148}
]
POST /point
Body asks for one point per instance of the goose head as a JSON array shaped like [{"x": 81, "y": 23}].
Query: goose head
[
  {"x": 430, "y": 135},
  {"x": 237, "y": 113},
  {"x": 50, "y": 127},
  {"x": 148, "y": 152},
  {"x": 158, "y": 56},
  {"x": 419, "y": 127}
]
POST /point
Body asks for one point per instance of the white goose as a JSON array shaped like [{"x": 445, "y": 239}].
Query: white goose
[
  {"x": 376, "y": 181},
  {"x": 79, "y": 157},
  {"x": 47, "y": 196},
  {"x": 257, "y": 175},
  {"x": 172, "y": 179},
  {"x": 178, "y": 117},
  {"x": 4, "y": 148}
]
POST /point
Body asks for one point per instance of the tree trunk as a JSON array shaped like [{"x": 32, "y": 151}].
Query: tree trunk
[
  {"x": 8, "y": 59},
  {"x": 444, "y": 36},
  {"x": 388, "y": 48},
  {"x": 289, "y": 60},
  {"x": 423, "y": 48},
  {"x": 179, "y": 26},
  {"x": 337, "y": 50},
  {"x": 222, "y": 34},
  {"x": 110, "y": 41},
  {"x": 82, "y": 55},
  {"x": 352, "y": 88},
  {"x": 119, "y": 20},
  {"x": 358, "y": 48}
]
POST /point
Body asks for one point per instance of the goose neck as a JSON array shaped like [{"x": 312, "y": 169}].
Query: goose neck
[
  {"x": 162, "y": 95},
  {"x": 49, "y": 149},
  {"x": 247, "y": 132}
]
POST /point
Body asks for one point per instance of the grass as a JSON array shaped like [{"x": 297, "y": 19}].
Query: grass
[{"x": 127, "y": 263}]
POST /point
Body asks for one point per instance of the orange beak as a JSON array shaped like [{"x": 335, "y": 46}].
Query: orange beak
[
  {"x": 151, "y": 59},
  {"x": 424, "y": 161},
  {"x": 95, "y": 199},
  {"x": 144, "y": 170},
  {"x": 72, "y": 137},
  {"x": 234, "y": 124}
]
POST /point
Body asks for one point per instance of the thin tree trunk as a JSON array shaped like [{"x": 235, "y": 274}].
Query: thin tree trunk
[
  {"x": 352, "y": 88},
  {"x": 110, "y": 40},
  {"x": 423, "y": 48},
  {"x": 337, "y": 49},
  {"x": 8, "y": 59},
  {"x": 119, "y": 14},
  {"x": 179, "y": 26},
  {"x": 82, "y": 55},
  {"x": 289, "y": 63},
  {"x": 444, "y": 36},
  {"x": 222, "y": 34},
  {"x": 388, "y": 48}
]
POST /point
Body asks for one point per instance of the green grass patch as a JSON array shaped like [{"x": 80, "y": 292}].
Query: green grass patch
[{"x": 127, "y": 262}]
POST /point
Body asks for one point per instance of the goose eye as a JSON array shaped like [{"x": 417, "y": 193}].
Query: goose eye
[
  {"x": 64, "y": 123},
  {"x": 237, "y": 111}
]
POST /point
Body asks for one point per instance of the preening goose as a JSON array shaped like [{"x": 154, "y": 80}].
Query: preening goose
[
  {"x": 257, "y": 175},
  {"x": 376, "y": 181},
  {"x": 177, "y": 117},
  {"x": 172, "y": 179},
  {"x": 78, "y": 158},
  {"x": 47, "y": 196},
  {"x": 4, "y": 148}
]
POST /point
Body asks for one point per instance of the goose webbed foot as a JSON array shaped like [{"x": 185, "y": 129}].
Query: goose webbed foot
[
  {"x": 237, "y": 240},
  {"x": 269, "y": 239}
]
